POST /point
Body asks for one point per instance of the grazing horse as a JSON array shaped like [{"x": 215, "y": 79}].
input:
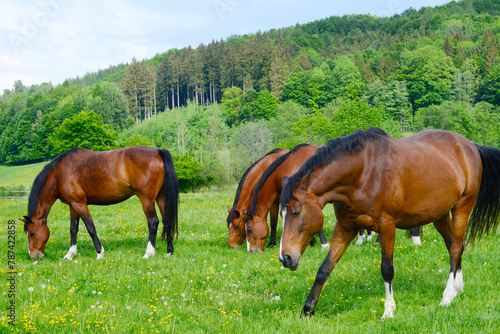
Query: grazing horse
[
  {"x": 243, "y": 198},
  {"x": 380, "y": 184},
  {"x": 267, "y": 194},
  {"x": 80, "y": 177}
]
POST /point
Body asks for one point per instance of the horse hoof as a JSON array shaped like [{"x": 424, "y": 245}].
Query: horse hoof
[
  {"x": 307, "y": 311},
  {"x": 270, "y": 245}
]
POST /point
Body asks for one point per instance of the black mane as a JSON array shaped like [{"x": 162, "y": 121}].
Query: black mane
[
  {"x": 39, "y": 182},
  {"x": 276, "y": 163},
  {"x": 334, "y": 149},
  {"x": 230, "y": 217}
]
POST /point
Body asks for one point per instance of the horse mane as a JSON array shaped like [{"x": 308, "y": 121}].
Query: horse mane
[
  {"x": 39, "y": 182},
  {"x": 276, "y": 163},
  {"x": 333, "y": 150},
  {"x": 230, "y": 217}
]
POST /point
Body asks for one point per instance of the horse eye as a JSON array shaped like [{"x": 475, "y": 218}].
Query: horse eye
[
  {"x": 236, "y": 227},
  {"x": 32, "y": 234},
  {"x": 296, "y": 213},
  {"x": 250, "y": 229}
]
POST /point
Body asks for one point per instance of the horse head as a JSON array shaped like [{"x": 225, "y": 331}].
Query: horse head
[
  {"x": 38, "y": 234},
  {"x": 302, "y": 219},
  {"x": 236, "y": 226},
  {"x": 257, "y": 231}
]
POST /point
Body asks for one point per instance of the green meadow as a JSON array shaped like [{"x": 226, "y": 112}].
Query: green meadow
[{"x": 207, "y": 288}]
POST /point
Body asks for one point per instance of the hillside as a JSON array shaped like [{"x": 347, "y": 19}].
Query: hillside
[{"x": 226, "y": 103}]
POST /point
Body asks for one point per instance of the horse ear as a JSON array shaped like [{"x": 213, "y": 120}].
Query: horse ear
[
  {"x": 26, "y": 219},
  {"x": 228, "y": 209},
  {"x": 247, "y": 213},
  {"x": 236, "y": 214}
]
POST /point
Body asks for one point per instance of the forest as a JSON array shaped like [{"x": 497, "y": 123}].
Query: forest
[{"x": 221, "y": 106}]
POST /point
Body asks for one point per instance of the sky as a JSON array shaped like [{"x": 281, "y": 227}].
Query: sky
[{"x": 51, "y": 40}]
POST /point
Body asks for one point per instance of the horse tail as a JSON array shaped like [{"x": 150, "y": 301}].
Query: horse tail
[
  {"x": 486, "y": 211},
  {"x": 171, "y": 192}
]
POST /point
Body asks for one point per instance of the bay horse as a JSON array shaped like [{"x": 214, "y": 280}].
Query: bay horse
[
  {"x": 81, "y": 177},
  {"x": 243, "y": 199},
  {"x": 380, "y": 183},
  {"x": 266, "y": 196}
]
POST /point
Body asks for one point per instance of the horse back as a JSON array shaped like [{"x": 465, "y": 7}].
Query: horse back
[
  {"x": 109, "y": 177},
  {"x": 420, "y": 178}
]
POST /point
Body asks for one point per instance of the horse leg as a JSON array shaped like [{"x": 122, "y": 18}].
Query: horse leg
[
  {"x": 387, "y": 236},
  {"x": 160, "y": 200},
  {"x": 73, "y": 230},
  {"x": 83, "y": 211},
  {"x": 148, "y": 206},
  {"x": 369, "y": 235},
  {"x": 322, "y": 239},
  {"x": 273, "y": 213},
  {"x": 361, "y": 237},
  {"x": 340, "y": 240},
  {"x": 415, "y": 235},
  {"x": 452, "y": 231}
]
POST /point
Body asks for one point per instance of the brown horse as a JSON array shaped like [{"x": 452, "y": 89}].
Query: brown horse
[
  {"x": 80, "y": 177},
  {"x": 380, "y": 184},
  {"x": 266, "y": 196},
  {"x": 243, "y": 198}
]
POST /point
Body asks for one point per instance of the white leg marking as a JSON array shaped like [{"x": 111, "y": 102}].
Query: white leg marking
[
  {"x": 370, "y": 236},
  {"x": 150, "y": 251},
  {"x": 283, "y": 215},
  {"x": 389, "y": 304},
  {"x": 450, "y": 292},
  {"x": 459, "y": 281},
  {"x": 416, "y": 241},
  {"x": 361, "y": 239},
  {"x": 101, "y": 254},
  {"x": 71, "y": 253},
  {"x": 325, "y": 247}
]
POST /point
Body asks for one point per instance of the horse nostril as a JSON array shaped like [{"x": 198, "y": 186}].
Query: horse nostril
[
  {"x": 39, "y": 255},
  {"x": 287, "y": 260}
]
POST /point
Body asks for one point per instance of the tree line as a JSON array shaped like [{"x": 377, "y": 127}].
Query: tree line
[{"x": 220, "y": 106}]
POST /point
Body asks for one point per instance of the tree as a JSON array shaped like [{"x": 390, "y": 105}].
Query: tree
[
  {"x": 250, "y": 142},
  {"x": 489, "y": 90},
  {"x": 351, "y": 115},
  {"x": 231, "y": 103},
  {"x": 186, "y": 169},
  {"x": 315, "y": 129},
  {"x": 429, "y": 74},
  {"x": 347, "y": 79},
  {"x": 85, "y": 130}
]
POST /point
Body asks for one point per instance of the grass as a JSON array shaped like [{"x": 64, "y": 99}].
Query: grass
[
  {"x": 207, "y": 288},
  {"x": 19, "y": 176}
]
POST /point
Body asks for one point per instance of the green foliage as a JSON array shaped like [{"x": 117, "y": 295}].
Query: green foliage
[
  {"x": 490, "y": 87},
  {"x": 314, "y": 129},
  {"x": 351, "y": 116},
  {"x": 429, "y": 75},
  {"x": 186, "y": 168},
  {"x": 85, "y": 130},
  {"x": 134, "y": 140},
  {"x": 232, "y": 99}
]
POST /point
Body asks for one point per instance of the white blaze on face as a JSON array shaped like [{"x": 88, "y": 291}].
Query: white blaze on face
[
  {"x": 248, "y": 243},
  {"x": 283, "y": 215}
]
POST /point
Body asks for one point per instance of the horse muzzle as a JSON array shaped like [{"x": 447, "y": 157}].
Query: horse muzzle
[
  {"x": 290, "y": 262},
  {"x": 36, "y": 255}
]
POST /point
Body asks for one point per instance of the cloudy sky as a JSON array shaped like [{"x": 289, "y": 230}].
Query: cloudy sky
[{"x": 50, "y": 40}]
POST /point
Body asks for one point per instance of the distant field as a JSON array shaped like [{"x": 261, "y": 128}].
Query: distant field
[{"x": 14, "y": 176}]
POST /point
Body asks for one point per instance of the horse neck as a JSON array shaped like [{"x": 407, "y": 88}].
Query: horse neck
[
  {"x": 336, "y": 180},
  {"x": 47, "y": 197}
]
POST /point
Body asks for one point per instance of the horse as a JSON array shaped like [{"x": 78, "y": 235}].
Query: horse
[
  {"x": 266, "y": 196},
  {"x": 81, "y": 177},
  {"x": 243, "y": 198},
  {"x": 380, "y": 183}
]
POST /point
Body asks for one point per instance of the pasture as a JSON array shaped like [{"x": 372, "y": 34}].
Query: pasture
[{"x": 207, "y": 288}]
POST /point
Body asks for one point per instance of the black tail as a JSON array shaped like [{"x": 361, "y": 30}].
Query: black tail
[
  {"x": 171, "y": 190},
  {"x": 485, "y": 214}
]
